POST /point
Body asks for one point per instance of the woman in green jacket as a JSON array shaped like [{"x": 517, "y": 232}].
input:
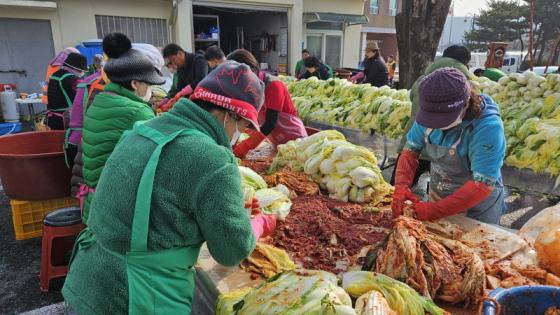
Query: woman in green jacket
[
  {"x": 171, "y": 184},
  {"x": 123, "y": 102}
]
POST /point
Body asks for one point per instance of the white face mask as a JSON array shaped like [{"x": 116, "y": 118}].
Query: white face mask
[
  {"x": 148, "y": 95},
  {"x": 458, "y": 121},
  {"x": 236, "y": 133}
]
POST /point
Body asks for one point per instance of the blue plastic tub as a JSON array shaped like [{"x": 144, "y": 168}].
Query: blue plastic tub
[
  {"x": 90, "y": 48},
  {"x": 534, "y": 300},
  {"x": 10, "y": 128}
]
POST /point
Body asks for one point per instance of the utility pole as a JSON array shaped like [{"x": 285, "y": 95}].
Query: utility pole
[
  {"x": 451, "y": 22},
  {"x": 531, "y": 35}
]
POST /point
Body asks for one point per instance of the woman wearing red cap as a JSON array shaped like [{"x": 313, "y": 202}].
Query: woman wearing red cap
[
  {"x": 278, "y": 117},
  {"x": 171, "y": 184},
  {"x": 462, "y": 135}
]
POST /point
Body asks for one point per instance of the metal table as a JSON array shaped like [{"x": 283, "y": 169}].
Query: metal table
[
  {"x": 526, "y": 179},
  {"x": 30, "y": 105},
  {"x": 385, "y": 147}
]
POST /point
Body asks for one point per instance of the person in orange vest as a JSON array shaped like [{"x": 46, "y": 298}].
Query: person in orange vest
[
  {"x": 53, "y": 66},
  {"x": 62, "y": 90}
]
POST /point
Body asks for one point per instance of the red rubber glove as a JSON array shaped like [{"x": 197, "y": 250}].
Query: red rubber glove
[
  {"x": 187, "y": 90},
  {"x": 263, "y": 225},
  {"x": 464, "y": 198},
  {"x": 400, "y": 196},
  {"x": 255, "y": 138},
  {"x": 162, "y": 102},
  {"x": 404, "y": 177}
]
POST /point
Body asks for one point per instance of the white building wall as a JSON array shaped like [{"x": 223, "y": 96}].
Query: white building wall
[
  {"x": 351, "y": 46},
  {"x": 74, "y": 20}
]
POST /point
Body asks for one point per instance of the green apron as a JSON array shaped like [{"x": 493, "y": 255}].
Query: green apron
[{"x": 159, "y": 282}]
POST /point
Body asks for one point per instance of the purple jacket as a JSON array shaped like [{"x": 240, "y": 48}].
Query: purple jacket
[{"x": 77, "y": 111}]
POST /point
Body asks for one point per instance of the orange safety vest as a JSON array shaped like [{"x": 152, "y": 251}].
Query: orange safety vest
[
  {"x": 50, "y": 71},
  {"x": 97, "y": 86}
]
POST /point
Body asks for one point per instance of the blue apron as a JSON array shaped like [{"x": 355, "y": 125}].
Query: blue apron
[{"x": 449, "y": 171}]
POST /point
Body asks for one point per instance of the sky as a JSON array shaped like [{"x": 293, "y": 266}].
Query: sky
[{"x": 468, "y": 7}]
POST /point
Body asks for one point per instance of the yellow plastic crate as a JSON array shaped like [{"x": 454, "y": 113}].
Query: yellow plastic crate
[{"x": 28, "y": 216}]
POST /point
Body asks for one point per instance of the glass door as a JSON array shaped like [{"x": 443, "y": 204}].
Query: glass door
[
  {"x": 315, "y": 45},
  {"x": 333, "y": 50}
]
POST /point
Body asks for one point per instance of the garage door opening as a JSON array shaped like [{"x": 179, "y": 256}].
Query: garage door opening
[
  {"x": 262, "y": 32},
  {"x": 24, "y": 61}
]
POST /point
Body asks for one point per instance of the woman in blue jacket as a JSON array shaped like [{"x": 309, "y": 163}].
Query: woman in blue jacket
[{"x": 462, "y": 134}]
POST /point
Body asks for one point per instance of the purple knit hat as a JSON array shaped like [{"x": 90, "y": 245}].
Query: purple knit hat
[{"x": 442, "y": 96}]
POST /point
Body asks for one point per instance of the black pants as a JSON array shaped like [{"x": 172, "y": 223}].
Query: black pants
[
  {"x": 55, "y": 123},
  {"x": 70, "y": 153},
  {"x": 423, "y": 167}
]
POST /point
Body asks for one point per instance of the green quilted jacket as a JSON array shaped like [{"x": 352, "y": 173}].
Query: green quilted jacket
[
  {"x": 197, "y": 197},
  {"x": 111, "y": 113}
]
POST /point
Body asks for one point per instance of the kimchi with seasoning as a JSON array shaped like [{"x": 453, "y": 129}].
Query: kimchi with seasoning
[{"x": 322, "y": 233}]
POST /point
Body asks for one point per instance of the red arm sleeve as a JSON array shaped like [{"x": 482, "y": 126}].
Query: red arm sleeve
[{"x": 274, "y": 96}]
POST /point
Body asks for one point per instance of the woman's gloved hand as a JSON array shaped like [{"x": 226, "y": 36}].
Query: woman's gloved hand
[
  {"x": 404, "y": 177},
  {"x": 162, "y": 102},
  {"x": 469, "y": 195},
  {"x": 358, "y": 77},
  {"x": 400, "y": 196},
  {"x": 263, "y": 225},
  {"x": 253, "y": 206},
  {"x": 242, "y": 148},
  {"x": 186, "y": 91}
]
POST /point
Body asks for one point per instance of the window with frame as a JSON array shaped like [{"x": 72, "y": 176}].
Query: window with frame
[
  {"x": 326, "y": 45},
  {"x": 393, "y": 7},
  {"x": 374, "y": 7},
  {"x": 139, "y": 30}
]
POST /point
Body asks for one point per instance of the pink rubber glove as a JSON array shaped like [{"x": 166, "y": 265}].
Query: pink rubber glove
[
  {"x": 263, "y": 225},
  {"x": 358, "y": 77}
]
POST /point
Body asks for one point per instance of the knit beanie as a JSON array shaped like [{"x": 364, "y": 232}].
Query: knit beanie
[
  {"x": 152, "y": 53},
  {"x": 442, "y": 96},
  {"x": 76, "y": 61},
  {"x": 235, "y": 87},
  {"x": 126, "y": 64}
]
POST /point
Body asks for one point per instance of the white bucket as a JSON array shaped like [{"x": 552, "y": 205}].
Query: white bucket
[{"x": 9, "y": 106}]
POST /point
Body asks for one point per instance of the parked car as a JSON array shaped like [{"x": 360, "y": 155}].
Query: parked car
[{"x": 540, "y": 70}]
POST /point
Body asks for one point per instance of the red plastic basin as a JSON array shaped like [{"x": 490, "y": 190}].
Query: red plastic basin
[{"x": 32, "y": 165}]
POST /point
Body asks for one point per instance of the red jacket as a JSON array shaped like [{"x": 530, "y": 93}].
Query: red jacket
[{"x": 277, "y": 97}]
